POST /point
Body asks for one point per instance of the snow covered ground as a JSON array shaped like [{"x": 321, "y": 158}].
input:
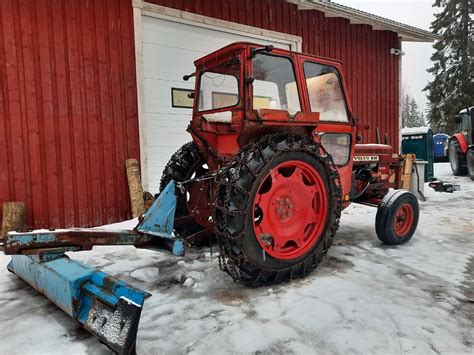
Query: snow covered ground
[{"x": 364, "y": 298}]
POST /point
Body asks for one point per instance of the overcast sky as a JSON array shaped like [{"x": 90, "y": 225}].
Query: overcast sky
[{"x": 418, "y": 13}]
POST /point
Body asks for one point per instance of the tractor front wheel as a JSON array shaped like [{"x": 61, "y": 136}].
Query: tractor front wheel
[
  {"x": 397, "y": 217},
  {"x": 277, "y": 210},
  {"x": 470, "y": 163},
  {"x": 456, "y": 159}
]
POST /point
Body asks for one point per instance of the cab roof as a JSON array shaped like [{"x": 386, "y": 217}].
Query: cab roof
[{"x": 236, "y": 47}]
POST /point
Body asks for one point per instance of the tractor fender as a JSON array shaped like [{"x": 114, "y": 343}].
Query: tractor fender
[{"x": 461, "y": 140}]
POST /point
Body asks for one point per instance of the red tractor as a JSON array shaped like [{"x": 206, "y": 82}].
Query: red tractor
[
  {"x": 274, "y": 161},
  {"x": 461, "y": 144},
  {"x": 272, "y": 164}
]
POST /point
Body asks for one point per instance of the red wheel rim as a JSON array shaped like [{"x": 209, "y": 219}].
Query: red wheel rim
[
  {"x": 290, "y": 210},
  {"x": 403, "y": 220}
]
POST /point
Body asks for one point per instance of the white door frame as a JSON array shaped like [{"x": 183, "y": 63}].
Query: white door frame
[{"x": 142, "y": 8}]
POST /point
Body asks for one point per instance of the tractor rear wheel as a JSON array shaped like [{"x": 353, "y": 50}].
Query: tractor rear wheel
[
  {"x": 470, "y": 163},
  {"x": 188, "y": 163},
  {"x": 456, "y": 159},
  {"x": 278, "y": 205},
  {"x": 397, "y": 217}
]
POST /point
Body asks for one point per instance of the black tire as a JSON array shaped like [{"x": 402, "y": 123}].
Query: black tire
[
  {"x": 241, "y": 254},
  {"x": 456, "y": 158},
  {"x": 181, "y": 166},
  {"x": 470, "y": 163},
  {"x": 387, "y": 214}
]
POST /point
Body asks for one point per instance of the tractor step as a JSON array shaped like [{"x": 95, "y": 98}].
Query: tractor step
[{"x": 106, "y": 307}]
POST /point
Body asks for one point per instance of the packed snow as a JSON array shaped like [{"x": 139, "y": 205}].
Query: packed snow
[{"x": 364, "y": 298}]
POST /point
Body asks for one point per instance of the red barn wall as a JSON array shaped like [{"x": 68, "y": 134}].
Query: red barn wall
[
  {"x": 68, "y": 109},
  {"x": 68, "y": 103}
]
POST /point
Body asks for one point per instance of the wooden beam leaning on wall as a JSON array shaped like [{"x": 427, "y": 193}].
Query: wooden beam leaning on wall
[
  {"x": 407, "y": 167},
  {"x": 14, "y": 217},
  {"x": 135, "y": 187}
]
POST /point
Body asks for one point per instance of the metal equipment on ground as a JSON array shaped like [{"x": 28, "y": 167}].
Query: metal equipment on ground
[{"x": 272, "y": 164}]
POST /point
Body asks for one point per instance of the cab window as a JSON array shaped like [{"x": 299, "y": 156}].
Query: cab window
[
  {"x": 274, "y": 84},
  {"x": 219, "y": 86},
  {"x": 325, "y": 92}
]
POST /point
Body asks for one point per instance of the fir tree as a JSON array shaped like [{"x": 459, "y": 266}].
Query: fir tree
[
  {"x": 452, "y": 88},
  {"x": 411, "y": 115},
  {"x": 414, "y": 120},
  {"x": 405, "y": 111}
]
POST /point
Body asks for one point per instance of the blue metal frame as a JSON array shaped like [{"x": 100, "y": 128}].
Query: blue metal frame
[
  {"x": 105, "y": 306},
  {"x": 159, "y": 219},
  {"x": 108, "y": 308}
]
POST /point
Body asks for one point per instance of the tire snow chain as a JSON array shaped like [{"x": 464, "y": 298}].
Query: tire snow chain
[{"x": 224, "y": 179}]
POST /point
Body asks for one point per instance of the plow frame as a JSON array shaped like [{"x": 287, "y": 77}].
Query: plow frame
[{"x": 108, "y": 308}]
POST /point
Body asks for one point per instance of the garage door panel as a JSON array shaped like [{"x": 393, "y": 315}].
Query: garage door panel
[
  {"x": 169, "y": 51},
  {"x": 161, "y": 109},
  {"x": 168, "y": 140},
  {"x": 168, "y": 124},
  {"x": 160, "y": 61}
]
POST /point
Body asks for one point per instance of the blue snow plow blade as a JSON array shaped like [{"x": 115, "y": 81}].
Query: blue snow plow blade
[{"x": 106, "y": 307}]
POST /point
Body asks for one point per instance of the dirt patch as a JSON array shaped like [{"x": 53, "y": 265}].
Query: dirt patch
[
  {"x": 232, "y": 296},
  {"x": 334, "y": 264}
]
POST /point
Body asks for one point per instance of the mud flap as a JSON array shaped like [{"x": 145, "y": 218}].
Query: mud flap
[{"x": 108, "y": 308}]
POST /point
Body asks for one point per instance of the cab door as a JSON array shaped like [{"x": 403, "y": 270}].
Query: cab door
[{"x": 325, "y": 94}]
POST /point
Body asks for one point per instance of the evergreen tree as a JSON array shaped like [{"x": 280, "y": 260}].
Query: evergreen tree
[
  {"x": 411, "y": 115},
  {"x": 414, "y": 120},
  {"x": 452, "y": 88},
  {"x": 422, "y": 121},
  {"x": 405, "y": 111}
]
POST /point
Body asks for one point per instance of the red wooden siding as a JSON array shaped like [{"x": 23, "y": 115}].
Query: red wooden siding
[
  {"x": 68, "y": 109},
  {"x": 68, "y": 105},
  {"x": 371, "y": 71}
]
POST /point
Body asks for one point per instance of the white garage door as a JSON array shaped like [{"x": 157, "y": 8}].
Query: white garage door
[{"x": 169, "y": 51}]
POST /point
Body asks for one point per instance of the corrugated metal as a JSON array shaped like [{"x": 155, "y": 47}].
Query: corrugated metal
[
  {"x": 68, "y": 109},
  {"x": 371, "y": 71},
  {"x": 68, "y": 94}
]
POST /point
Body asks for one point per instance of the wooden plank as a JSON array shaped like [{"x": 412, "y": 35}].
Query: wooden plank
[
  {"x": 257, "y": 8},
  {"x": 29, "y": 115},
  {"x": 129, "y": 95},
  {"x": 60, "y": 130},
  {"x": 14, "y": 217},
  {"x": 106, "y": 126},
  {"x": 264, "y": 13},
  {"x": 135, "y": 187},
  {"x": 77, "y": 104},
  {"x": 225, "y": 10},
  {"x": 6, "y": 178},
  {"x": 408, "y": 160}
]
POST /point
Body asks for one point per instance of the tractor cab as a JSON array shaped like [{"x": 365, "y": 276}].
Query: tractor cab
[
  {"x": 244, "y": 91},
  {"x": 465, "y": 122},
  {"x": 245, "y": 82}
]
